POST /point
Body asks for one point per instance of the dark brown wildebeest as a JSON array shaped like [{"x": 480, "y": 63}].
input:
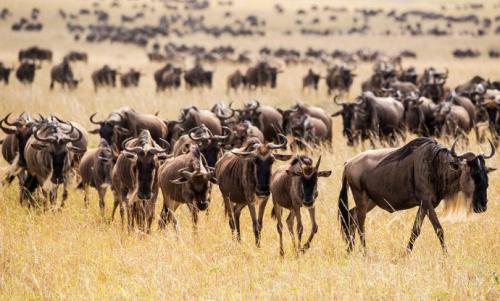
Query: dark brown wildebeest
[
  {"x": 4, "y": 73},
  {"x": 339, "y": 78},
  {"x": 295, "y": 115},
  {"x": 25, "y": 73},
  {"x": 49, "y": 156},
  {"x": 125, "y": 123},
  {"x": 452, "y": 120},
  {"x": 35, "y": 53},
  {"x": 225, "y": 113},
  {"x": 210, "y": 145},
  {"x": 235, "y": 80},
  {"x": 349, "y": 129},
  {"x": 262, "y": 75},
  {"x": 419, "y": 174},
  {"x": 310, "y": 80},
  {"x": 294, "y": 185},
  {"x": 473, "y": 89},
  {"x": 268, "y": 119},
  {"x": 432, "y": 83},
  {"x": 135, "y": 180},
  {"x": 104, "y": 77},
  {"x": 198, "y": 77},
  {"x": 63, "y": 75},
  {"x": 185, "y": 179},
  {"x": 75, "y": 56},
  {"x": 243, "y": 131},
  {"x": 192, "y": 117},
  {"x": 130, "y": 79},
  {"x": 95, "y": 169},
  {"x": 244, "y": 175},
  {"x": 408, "y": 75},
  {"x": 419, "y": 115},
  {"x": 398, "y": 88},
  {"x": 167, "y": 77}
]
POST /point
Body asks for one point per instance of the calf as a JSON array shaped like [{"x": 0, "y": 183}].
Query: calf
[
  {"x": 95, "y": 169},
  {"x": 295, "y": 185}
]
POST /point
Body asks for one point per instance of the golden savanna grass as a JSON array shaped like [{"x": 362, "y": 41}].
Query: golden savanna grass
[{"x": 75, "y": 254}]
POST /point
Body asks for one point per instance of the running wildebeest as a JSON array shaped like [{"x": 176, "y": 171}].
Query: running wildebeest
[
  {"x": 421, "y": 173},
  {"x": 185, "y": 179},
  {"x": 244, "y": 176},
  {"x": 95, "y": 169},
  {"x": 294, "y": 185}
]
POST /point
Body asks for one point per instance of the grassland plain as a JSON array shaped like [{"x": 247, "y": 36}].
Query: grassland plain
[{"x": 74, "y": 254}]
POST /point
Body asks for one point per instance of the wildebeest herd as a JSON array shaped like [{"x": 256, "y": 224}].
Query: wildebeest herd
[{"x": 140, "y": 155}]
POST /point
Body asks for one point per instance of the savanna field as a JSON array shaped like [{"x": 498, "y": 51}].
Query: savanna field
[{"x": 75, "y": 254}]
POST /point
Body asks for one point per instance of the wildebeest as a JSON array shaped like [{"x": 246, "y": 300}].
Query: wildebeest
[
  {"x": 473, "y": 88},
  {"x": 192, "y": 117},
  {"x": 104, "y": 77},
  {"x": 243, "y": 131},
  {"x": 421, "y": 173},
  {"x": 135, "y": 180},
  {"x": 130, "y": 79},
  {"x": 63, "y": 75},
  {"x": 339, "y": 78},
  {"x": 95, "y": 170},
  {"x": 244, "y": 175},
  {"x": 419, "y": 115},
  {"x": 210, "y": 145},
  {"x": 294, "y": 185},
  {"x": 432, "y": 83},
  {"x": 266, "y": 118},
  {"x": 167, "y": 77},
  {"x": 198, "y": 77},
  {"x": 185, "y": 179},
  {"x": 261, "y": 75},
  {"x": 74, "y": 56},
  {"x": 310, "y": 80},
  {"x": 35, "y": 53},
  {"x": 49, "y": 157},
  {"x": 452, "y": 120},
  {"x": 4, "y": 73},
  {"x": 296, "y": 116},
  {"x": 235, "y": 80},
  {"x": 25, "y": 73}
]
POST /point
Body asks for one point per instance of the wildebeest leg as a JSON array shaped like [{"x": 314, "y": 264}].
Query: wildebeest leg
[
  {"x": 255, "y": 223},
  {"x": 278, "y": 211},
  {"x": 262, "y": 209},
  {"x": 228, "y": 207},
  {"x": 102, "y": 194},
  {"x": 300, "y": 227},
  {"x": 86, "y": 196},
  {"x": 417, "y": 225},
  {"x": 289, "y": 223},
  {"x": 361, "y": 210},
  {"x": 237, "y": 213},
  {"x": 65, "y": 192},
  {"x": 314, "y": 229},
  {"x": 51, "y": 84},
  {"x": 437, "y": 226},
  {"x": 194, "y": 216},
  {"x": 116, "y": 203}
]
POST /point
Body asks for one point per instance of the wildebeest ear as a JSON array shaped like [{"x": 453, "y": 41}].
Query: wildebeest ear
[
  {"x": 39, "y": 146},
  {"x": 325, "y": 173},
  {"x": 282, "y": 157},
  {"x": 129, "y": 155},
  {"x": 490, "y": 169},
  {"x": 293, "y": 173},
  {"x": 213, "y": 180},
  {"x": 336, "y": 113},
  {"x": 178, "y": 181},
  {"x": 94, "y": 131},
  {"x": 76, "y": 149}
]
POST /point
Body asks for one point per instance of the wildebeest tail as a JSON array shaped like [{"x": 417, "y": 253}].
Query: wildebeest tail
[
  {"x": 344, "y": 207},
  {"x": 273, "y": 213}
]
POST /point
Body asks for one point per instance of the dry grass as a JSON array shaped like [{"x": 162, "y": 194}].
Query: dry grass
[{"x": 74, "y": 254}]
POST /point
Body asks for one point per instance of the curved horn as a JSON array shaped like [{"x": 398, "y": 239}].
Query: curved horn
[
  {"x": 77, "y": 138},
  {"x": 6, "y": 129},
  {"x": 317, "y": 163},
  {"x": 282, "y": 145},
  {"x": 134, "y": 150},
  {"x": 224, "y": 117},
  {"x": 93, "y": 121},
  {"x": 6, "y": 120},
  {"x": 47, "y": 139},
  {"x": 492, "y": 146},
  {"x": 336, "y": 102},
  {"x": 223, "y": 137},
  {"x": 194, "y": 138}
]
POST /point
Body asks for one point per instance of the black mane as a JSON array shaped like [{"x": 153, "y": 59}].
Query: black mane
[{"x": 406, "y": 150}]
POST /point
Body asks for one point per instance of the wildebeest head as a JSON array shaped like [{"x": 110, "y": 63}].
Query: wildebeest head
[
  {"x": 110, "y": 130},
  {"x": 22, "y": 128},
  {"x": 105, "y": 161},
  {"x": 347, "y": 113},
  {"x": 210, "y": 145},
  {"x": 196, "y": 180},
  {"x": 308, "y": 175},
  {"x": 146, "y": 161},
  {"x": 250, "y": 112},
  {"x": 473, "y": 176},
  {"x": 224, "y": 112},
  {"x": 59, "y": 146},
  {"x": 261, "y": 159}
]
